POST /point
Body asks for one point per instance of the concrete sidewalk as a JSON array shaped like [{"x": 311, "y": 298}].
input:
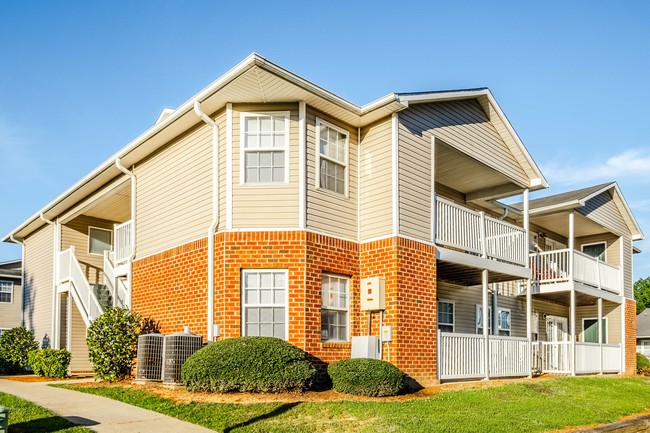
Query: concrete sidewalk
[{"x": 99, "y": 414}]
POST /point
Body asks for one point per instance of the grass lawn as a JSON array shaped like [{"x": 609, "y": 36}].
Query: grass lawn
[
  {"x": 531, "y": 406},
  {"x": 26, "y": 417}
]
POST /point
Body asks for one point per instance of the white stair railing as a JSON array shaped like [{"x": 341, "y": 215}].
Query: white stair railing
[
  {"x": 80, "y": 289},
  {"x": 121, "y": 294},
  {"x": 115, "y": 285}
]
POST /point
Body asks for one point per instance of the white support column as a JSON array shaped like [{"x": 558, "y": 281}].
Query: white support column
[
  {"x": 302, "y": 167},
  {"x": 434, "y": 204},
  {"x": 495, "y": 309},
  {"x": 486, "y": 348},
  {"x": 529, "y": 295},
  {"x": 572, "y": 325},
  {"x": 395, "y": 174},
  {"x": 229, "y": 158},
  {"x": 600, "y": 333},
  {"x": 623, "y": 305}
]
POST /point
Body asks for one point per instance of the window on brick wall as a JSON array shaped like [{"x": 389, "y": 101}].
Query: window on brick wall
[
  {"x": 335, "y": 310},
  {"x": 264, "y": 303}
]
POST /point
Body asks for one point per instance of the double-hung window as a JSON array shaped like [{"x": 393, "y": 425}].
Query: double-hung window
[
  {"x": 335, "y": 308},
  {"x": 264, "y": 303},
  {"x": 6, "y": 291},
  {"x": 265, "y": 147},
  {"x": 332, "y": 153},
  {"x": 446, "y": 316},
  {"x": 503, "y": 320}
]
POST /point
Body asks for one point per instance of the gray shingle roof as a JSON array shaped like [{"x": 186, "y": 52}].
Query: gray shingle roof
[
  {"x": 643, "y": 324},
  {"x": 565, "y": 197}
]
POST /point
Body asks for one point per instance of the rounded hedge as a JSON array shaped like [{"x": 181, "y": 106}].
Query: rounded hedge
[
  {"x": 15, "y": 345},
  {"x": 50, "y": 362},
  {"x": 642, "y": 362},
  {"x": 369, "y": 377},
  {"x": 248, "y": 364}
]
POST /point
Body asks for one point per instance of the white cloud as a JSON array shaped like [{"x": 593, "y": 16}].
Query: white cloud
[{"x": 632, "y": 164}]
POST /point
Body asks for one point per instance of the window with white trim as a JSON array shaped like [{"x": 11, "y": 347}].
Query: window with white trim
[
  {"x": 6, "y": 291},
  {"x": 264, "y": 303},
  {"x": 598, "y": 249},
  {"x": 446, "y": 316},
  {"x": 479, "y": 319},
  {"x": 332, "y": 157},
  {"x": 503, "y": 319},
  {"x": 265, "y": 147},
  {"x": 335, "y": 309},
  {"x": 99, "y": 240}
]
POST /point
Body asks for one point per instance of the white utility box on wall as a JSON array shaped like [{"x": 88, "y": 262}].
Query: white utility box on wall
[
  {"x": 373, "y": 294},
  {"x": 365, "y": 346}
]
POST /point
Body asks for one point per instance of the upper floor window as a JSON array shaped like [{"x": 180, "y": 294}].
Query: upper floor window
[
  {"x": 6, "y": 291},
  {"x": 596, "y": 250},
  {"x": 332, "y": 157},
  {"x": 99, "y": 240},
  {"x": 264, "y": 147},
  {"x": 335, "y": 308}
]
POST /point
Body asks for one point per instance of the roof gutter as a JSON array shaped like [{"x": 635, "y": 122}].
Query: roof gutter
[
  {"x": 215, "y": 214},
  {"x": 22, "y": 279}
]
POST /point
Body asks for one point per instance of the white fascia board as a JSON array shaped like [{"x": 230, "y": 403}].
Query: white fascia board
[{"x": 8, "y": 262}]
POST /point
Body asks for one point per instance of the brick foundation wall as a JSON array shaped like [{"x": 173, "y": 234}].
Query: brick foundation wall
[{"x": 630, "y": 336}]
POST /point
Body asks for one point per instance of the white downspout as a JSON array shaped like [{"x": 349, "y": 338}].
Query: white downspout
[
  {"x": 54, "y": 340},
  {"x": 215, "y": 214},
  {"x": 22, "y": 279},
  {"x": 134, "y": 184}
]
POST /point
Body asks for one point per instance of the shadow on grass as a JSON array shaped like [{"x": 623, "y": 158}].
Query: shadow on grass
[
  {"x": 49, "y": 424},
  {"x": 275, "y": 412}
]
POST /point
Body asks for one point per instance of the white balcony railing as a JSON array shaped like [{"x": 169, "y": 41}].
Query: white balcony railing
[
  {"x": 476, "y": 233},
  {"x": 552, "y": 267},
  {"x": 123, "y": 241},
  {"x": 555, "y": 357}
]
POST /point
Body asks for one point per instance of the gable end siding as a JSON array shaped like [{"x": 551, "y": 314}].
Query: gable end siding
[{"x": 603, "y": 210}]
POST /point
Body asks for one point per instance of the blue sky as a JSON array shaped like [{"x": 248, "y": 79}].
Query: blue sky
[{"x": 79, "y": 80}]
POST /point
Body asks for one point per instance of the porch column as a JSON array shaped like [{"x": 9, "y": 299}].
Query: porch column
[
  {"x": 572, "y": 325},
  {"x": 55, "y": 341},
  {"x": 600, "y": 333},
  {"x": 486, "y": 322},
  {"x": 529, "y": 295}
]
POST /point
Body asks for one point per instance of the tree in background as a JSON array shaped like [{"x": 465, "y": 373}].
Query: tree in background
[{"x": 642, "y": 294}]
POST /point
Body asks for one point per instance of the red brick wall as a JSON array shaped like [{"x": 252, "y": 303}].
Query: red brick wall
[{"x": 630, "y": 336}]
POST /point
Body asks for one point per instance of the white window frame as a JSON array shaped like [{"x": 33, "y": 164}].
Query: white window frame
[
  {"x": 244, "y": 305},
  {"x": 582, "y": 248},
  {"x": 104, "y": 230},
  {"x": 500, "y": 328},
  {"x": 596, "y": 319},
  {"x": 242, "y": 149},
  {"x": 346, "y": 309},
  {"x": 453, "y": 314},
  {"x": 320, "y": 122},
  {"x": 499, "y": 310},
  {"x": 11, "y": 291}
]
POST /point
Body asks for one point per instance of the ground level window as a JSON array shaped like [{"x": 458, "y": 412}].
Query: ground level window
[
  {"x": 446, "y": 316},
  {"x": 264, "y": 306},
  {"x": 590, "y": 330},
  {"x": 503, "y": 320},
  {"x": 6, "y": 291},
  {"x": 335, "y": 308}
]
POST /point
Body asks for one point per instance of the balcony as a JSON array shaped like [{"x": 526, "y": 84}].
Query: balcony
[
  {"x": 464, "y": 230},
  {"x": 551, "y": 271}
]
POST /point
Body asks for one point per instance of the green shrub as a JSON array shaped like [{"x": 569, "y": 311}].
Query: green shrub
[
  {"x": 50, "y": 362},
  {"x": 15, "y": 345},
  {"x": 642, "y": 362},
  {"x": 112, "y": 340},
  {"x": 249, "y": 364},
  {"x": 369, "y": 377}
]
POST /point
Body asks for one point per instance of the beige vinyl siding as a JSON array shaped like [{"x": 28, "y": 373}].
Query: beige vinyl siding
[
  {"x": 78, "y": 348},
  {"x": 264, "y": 206},
  {"x": 174, "y": 191},
  {"x": 611, "y": 311},
  {"x": 414, "y": 162},
  {"x": 75, "y": 233},
  {"x": 10, "y": 312},
  {"x": 39, "y": 288},
  {"x": 613, "y": 251},
  {"x": 628, "y": 284},
  {"x": 603, "y": 210},
  {"x": 465, "y": 126},
  {"x": 328, "y": 212},
  {"x": 375, "y": 183}
]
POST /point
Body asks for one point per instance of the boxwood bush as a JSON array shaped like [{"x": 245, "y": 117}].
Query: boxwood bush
[
  {"x": 642, "y": 364},
  {"x": 369, "y": 377},
  {"x": 15, "y": 345},
  {"x": 50, "y": 362},
  {"x": 248, "y": 364}
]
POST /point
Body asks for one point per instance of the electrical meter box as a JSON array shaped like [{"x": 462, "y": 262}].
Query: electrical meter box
[
  {"x": 386, "y": 334},
  {"x": 365, "y": 346},
  {"x": 373, "y": 294}
]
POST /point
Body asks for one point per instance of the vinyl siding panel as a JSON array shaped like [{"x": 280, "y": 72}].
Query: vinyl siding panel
[
  {"x": 613, "y": 314},
  {"x": 603, "y": 210},
  {"x": 375, "y": 207},
  {"x": 10, "y": 312},
  {"x": 274, "y": 205},
  {"x": 414, "y": 185},
  {"x": 78, "y": 347},
  {"x": 328, "y": 212},
  {"x": 174, "y": 191},
  {"x": 464, "y": 126},
  {"x": 39, "y": 289},
  {"x": 75, "y": 233}
]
